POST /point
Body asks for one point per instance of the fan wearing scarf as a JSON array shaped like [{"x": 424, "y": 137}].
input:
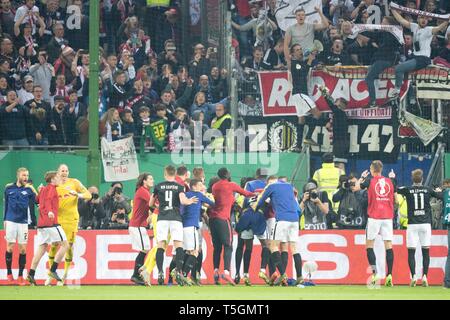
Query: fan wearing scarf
[{"x": 422, "y": 37}]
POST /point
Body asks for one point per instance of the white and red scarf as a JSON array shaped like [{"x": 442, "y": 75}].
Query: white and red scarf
[{"x": 416, "y": 12}]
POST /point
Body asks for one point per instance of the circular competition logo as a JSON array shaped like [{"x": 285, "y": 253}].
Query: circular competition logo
[
  {"x": 282, "y": 136},
  {"x": 382, "y": 188}
]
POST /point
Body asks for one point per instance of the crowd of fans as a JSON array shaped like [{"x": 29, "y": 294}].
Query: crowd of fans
[
  {"x": 144, "y": 75},
  {"x": 261, "y": 45}
]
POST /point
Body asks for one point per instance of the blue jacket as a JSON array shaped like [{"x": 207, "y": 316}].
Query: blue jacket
[
  {"x": 283, "y": 201},
  {"x": 191, "y": 213},
  {"x": 251, "y": 220},
  {"x": 17, "y": 203}
]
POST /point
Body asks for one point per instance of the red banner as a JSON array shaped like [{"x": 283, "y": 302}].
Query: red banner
[
  {"x": 348, "y": 84},
  {"x": 106, "y": 257}
]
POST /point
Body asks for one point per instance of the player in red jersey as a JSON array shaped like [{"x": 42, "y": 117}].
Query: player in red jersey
[
  {"x": 138, "y": 223},
  {"x": 219, "y": 222},
  {"x": 381, "y": 198},
  {"x": 48, "y": 229}
]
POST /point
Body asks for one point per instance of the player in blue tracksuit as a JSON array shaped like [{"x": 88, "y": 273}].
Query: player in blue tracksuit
[
  {"x": 285, "y": 231},
  {"x": 191, "y": 217},
  {"x": 246, "y": 235},
  {"x": 17, "y": 215}
]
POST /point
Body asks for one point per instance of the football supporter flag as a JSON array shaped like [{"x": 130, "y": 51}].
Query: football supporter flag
[
  {"x": 425, "y": 129},
  {"x": 119, "y": 160},
  {"x": 285, "y": 12},
  {"x": 157, "y": 131}
]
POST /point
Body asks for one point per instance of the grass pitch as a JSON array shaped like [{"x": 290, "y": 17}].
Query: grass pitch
[{"x": 320, "y": 292}]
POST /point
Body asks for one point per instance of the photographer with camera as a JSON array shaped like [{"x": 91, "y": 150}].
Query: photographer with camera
[
  {"x": 114, "y": 199},
  {"x": 315, "y": 207},
  {"x": 352, "y": 203},
  {"x": 119, "y": 218},
  {"x": 91, "y": 211}
]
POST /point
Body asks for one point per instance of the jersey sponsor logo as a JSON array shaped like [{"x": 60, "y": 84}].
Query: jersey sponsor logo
[
  {"x": 382, "y": 189},
  {"x": 282, "y": 136},
  {"x": 25, "y": 193}
]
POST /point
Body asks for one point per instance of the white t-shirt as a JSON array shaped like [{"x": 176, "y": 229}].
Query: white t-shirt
[
  {"x": 423, "y": 36},
  {"x": 23, "y": 10}
]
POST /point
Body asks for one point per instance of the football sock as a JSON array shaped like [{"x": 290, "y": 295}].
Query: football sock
[
  {"x": 194, "y": 268},
  {"x": 272, "y": 267},
  {"x": 22, "y": 263},
  {"x": 68, "y": 261},
  {"x": 189, "y": 264},
  {"x": 179, "y": 259},
  {"x": 139, "y": 262},
  {"x": 51, "y": 255},
  {"x": 412, "y": 261},
  {"x": 298, "y": 264},
  {"x": 160, "y": 259},
  {"x": 284, "y": 259},
  {"x": 8, "y": 259},
  {"x": 248, "y": 254},
  {"x": 300, "y": 128},
  {"x": 265, "y": 256},
  {"x": 390, "y": 260},
  {"x": 32, "y": 272},
  {"x": 198, "y": 265},
  {"x": 426, "y": 260},
  {"x": 311, "y": 126},
  {"x": 276, "y": 258},
  {"x": 372, "y": 259},
  {"x": 54, "y": 267},
  {"x": 238, "y": 255},
  {"x": 227, "y": 253},
  {"x": 216, "y": 256},
  {"x": 173, "y": 263},
  {"x": 150, "y": 260}
]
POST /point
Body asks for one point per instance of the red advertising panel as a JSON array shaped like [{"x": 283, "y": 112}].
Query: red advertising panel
[{"x": 106, "y": 257}]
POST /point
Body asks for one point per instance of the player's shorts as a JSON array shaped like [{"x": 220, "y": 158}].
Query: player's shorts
[
  {"x": 70, "y": 229},
  {"x": 50, "y": 235},
  {"x": 285, "y": 231},
  {"x": 418, "y": 233},
  {"x": 139, "y": 238},
  {"x": 190, "y": 238},
  {"x": 270, "y": 224},
  {"x": 303, "y": 104},
  {"x": 164, "y": 227},
  {"x": 16, "y": 232},
  {"x": 383, "y": 227}
]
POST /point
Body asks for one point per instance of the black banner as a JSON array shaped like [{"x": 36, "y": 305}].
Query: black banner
[{"x": 369, "y": 138}]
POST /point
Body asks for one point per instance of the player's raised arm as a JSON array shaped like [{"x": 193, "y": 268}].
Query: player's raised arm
[
  {"x": 187, "y": 201},
  {"x": 83, "y": 193},
  {"x": 238, "y": 189},
  {"x": 206, "y": 200},
  {"x": 262, "y": 198}
]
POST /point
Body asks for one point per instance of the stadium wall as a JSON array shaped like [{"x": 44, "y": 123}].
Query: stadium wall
[
  {"x": 240, "y": 165},
  {"x": 106, "y": 257}
]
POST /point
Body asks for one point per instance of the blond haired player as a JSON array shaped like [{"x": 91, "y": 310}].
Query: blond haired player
[{"x": 69, "y": 191}]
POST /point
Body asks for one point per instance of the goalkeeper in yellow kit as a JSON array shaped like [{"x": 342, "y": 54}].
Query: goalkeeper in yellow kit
[{"x": 69, "y": 191}]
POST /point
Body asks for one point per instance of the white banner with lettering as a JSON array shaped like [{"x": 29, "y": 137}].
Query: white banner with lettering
[
  {"x": 285, "y": 11},
  {"x": 119, "y": 160}
]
